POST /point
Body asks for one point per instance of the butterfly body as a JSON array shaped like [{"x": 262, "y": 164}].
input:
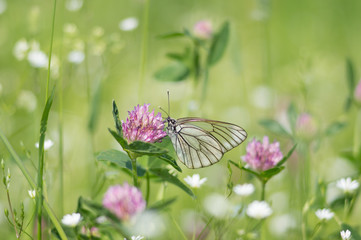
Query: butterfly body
[{"x": 201, "y": 142}]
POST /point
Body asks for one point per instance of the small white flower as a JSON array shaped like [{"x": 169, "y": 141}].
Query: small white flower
[
  {"x": 73, "y": 5},
  {"x": 347, "y": 185},
  {"x": 324, "y": 214},
  {"x": 76, "y": 57},
  {"x": 38, "y": 59},
  {"x": 32, "y": 194},
  {"x": 3, "y": 6},
  {"x": 137, "y": 237},
  {"x": 259, "y": 210},
  {"x": 244, "y": 189},
  {"x": 101, "y": 219},
  {"x": 70, "y": 29},
  {"x": 20, "y": 49},
  {"x": 47, "y": 144},
  {"x": 71, "y": 219},
  {"x": 195, "y": 181},
  {"x": 27, "y": 100},
  {"x": 128, "y": 24},
  {"x": 345, "y": 235},
  {"x": 217, "y": 205}
]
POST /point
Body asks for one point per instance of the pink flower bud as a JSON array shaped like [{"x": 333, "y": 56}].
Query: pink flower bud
[{"x": 203, "y": 29}]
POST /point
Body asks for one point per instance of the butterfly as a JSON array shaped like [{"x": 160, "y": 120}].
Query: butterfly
[{"x": 201, "y": 142}]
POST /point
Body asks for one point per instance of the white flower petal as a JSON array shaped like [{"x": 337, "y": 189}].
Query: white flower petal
[
  {"x": 259, "y": 210},
  {"x": 71, "y": 219}
]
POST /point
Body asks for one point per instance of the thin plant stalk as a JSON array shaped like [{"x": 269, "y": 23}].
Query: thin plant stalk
[
  {"x": 148, "y": 188},
  {"x": 12, "y": 213},
  {"x": 50, "y": 52},
  {"x": 144, "y": 48},
  {"x": 263, "y": 190},
  {"x": 135, "y": 174},
  {"x": 42, "y": 136},
  {"x": 357, "y": 133},
  {"x": 32, "y": 184},
  {"x": 178, "y": 227},
  {"x": 61, "y": 153}
]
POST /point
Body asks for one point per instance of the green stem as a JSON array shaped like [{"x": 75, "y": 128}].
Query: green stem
[
  {"x": 263, "y": 190},
  {"x": 135, "y": 174},
  {"x": 12, "y": 213},
  {"x": 148, "y": 188},
  {"x": 40, "y": 189},
  {"x": 357, "y": 133},
  {"x": 41, "y": 149},
  {"x": 178, "y": 227},
  {"x": 316, "y": 230},
  {"x": 144, "y": 49},
  {"x": 61, "y": 154},
  {"x": 50, "y": 52},
  {"x": 31, "y": 182}
]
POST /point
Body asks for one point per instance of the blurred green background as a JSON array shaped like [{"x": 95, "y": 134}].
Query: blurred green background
[{"x": 279, "y": 52}]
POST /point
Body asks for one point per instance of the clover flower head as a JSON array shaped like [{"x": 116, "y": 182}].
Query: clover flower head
[
  {"x": 324, "y": 214},
  {"x": 262, "y": 156},
  {"x": 244, "y": 189},
  {"x": 142, "y": 125},
  {"x": 71, "y": 220},
  {"x": 259, "y": 210},
  {"x": 345, "y": 235},
  {"x": 203, "y": 29},
  {"x": 357, "y": 93},
  {"x": 347, "y": 185},
  {"x": 195, "y": 181},
  {"x": 124, "y": 201}
]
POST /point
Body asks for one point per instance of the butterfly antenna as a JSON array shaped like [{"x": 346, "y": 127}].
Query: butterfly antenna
[
  {"x": 163, "y": 110},
  {"x": 168, "y": 102}
]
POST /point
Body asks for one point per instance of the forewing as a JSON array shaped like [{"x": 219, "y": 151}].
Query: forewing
[
  {"x": 195, "y": 147},
  {"x": 228, "y": 135}
]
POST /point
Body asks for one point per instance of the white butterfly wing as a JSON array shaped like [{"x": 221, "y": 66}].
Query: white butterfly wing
[{"x": 200, "y": 142}]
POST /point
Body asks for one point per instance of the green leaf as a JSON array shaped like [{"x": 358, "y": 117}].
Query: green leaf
[
  {"x": 334, "y": 128},
  {"x": 292, "y": 116},
  {"x": 166, "y": 176},
  {"x": 268, "y": 174},
  {"x": 350, "y": 78},
  {"x": 159, "y": 205},
  {"x": 174, "y": 72},
  {"x": 118, "y": 124},
  {"x": 273, "y": 126},
  {"x": 170, "y": 160},
  {"x": 120, "y": 159},
  {"x": 218, "y": 45},
  {"x": 144, "y": 148},
  {"x": 288, "y": 155},
  {"x": 119, "y": 139},
  {"x": 252, "y": 172},
  {"x": 171, "y": 35}
]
